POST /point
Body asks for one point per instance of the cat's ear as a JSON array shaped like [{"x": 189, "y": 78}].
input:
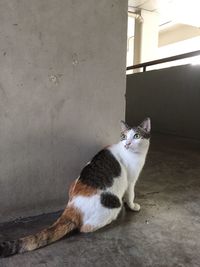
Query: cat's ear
[
  {"x": 146, "y": 125},
  {"x": 124, "y": 126}
]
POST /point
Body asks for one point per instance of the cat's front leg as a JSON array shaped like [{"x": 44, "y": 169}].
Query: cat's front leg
[{"x": 130, "y": 197}]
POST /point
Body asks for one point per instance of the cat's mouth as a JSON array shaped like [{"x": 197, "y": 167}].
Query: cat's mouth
[{"x": 127, "y": 145}]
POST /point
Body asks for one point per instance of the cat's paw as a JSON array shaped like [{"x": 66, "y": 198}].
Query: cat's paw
[{"x": 134, "y": 206}]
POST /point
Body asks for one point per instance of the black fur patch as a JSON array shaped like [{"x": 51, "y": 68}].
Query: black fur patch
[
  {"x": 9, "y": 248},
  {"x": 110, "y": 201},
  {"x": 101, "y": 171}
]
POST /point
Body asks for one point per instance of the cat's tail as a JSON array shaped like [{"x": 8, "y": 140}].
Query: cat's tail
[{"x": 67, "y": 222}]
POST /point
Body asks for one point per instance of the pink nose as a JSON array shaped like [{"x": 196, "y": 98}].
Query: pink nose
[{"x": 127, "y": 145}]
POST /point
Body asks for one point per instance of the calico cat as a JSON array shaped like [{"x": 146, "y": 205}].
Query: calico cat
[{"x": 97, "y": 195}]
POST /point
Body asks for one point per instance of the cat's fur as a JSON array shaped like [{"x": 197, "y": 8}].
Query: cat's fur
[{"x": 97, "y": 195}]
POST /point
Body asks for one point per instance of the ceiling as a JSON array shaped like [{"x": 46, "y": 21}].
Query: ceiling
[
  {"x": 170, "y": 11},
  {"x": 150, "y": 5}
]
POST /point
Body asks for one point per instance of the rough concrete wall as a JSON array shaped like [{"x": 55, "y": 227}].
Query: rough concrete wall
[
  {"x": 171, "y": 97},
  {"x": 62, "y": 84}
]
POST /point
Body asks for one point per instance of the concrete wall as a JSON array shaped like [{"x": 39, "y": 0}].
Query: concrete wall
[
  {"x": 171, "y": 97},
  {"x": 62, "y": 85}
]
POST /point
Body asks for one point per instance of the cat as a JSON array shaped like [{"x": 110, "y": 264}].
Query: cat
[{"x": 97, "y": 195}]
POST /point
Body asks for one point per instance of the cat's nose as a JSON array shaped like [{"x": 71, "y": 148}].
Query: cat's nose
[{"x": 127, "y": 145}]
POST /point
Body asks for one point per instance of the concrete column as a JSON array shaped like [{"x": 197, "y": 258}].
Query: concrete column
[
  {"x": 146, "y": 37},
  {"x": 62, "y": 68}
]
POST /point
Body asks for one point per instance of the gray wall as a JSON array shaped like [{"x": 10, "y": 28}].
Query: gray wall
[
  {"x": 62, "y": 85},
  {"x": 171, "y": 97}
]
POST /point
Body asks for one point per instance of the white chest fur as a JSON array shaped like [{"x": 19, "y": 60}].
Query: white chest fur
[{"x": 133, "y": 162}]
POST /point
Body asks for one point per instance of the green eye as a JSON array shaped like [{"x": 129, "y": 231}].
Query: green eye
[
  {"x": 123, "y": 136},
  {"x": 136, "y": 136}
]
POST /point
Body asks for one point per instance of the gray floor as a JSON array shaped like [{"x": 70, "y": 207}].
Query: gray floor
[{"x": 166, "y": 232}]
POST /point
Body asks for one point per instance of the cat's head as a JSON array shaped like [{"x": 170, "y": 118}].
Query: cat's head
[{"x": 136, "y": 138}]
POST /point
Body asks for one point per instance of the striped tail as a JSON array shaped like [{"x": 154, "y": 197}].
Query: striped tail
[{"x": 67, "y": 222}]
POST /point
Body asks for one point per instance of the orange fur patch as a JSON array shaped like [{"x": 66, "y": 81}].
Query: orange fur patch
[
  {"x": 70, "y": 219},
  {"x": 78, "y": 188},
  {"x": 73, "y": 214},
  {"x": 71, "y": 189}
]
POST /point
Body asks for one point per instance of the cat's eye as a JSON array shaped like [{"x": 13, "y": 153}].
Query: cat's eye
[
  {"x": 123, "y": 136},
  {"x": 136, "y": 136}
]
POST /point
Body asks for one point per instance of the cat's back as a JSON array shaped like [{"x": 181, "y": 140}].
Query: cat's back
[{"x": 101, "y": 170}]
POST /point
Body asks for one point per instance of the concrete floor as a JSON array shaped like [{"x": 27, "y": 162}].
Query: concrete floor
[{"x": 166, "y": 232}]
